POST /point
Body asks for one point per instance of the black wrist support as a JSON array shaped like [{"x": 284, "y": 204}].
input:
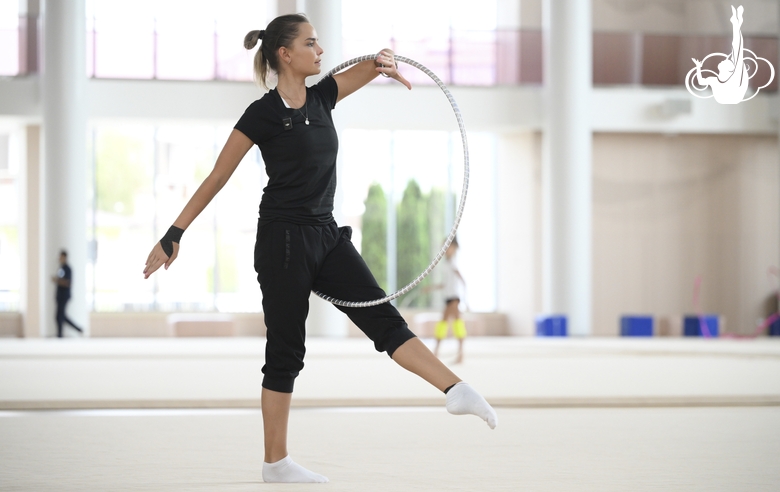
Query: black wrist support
[{"x": 172, "y": 236}]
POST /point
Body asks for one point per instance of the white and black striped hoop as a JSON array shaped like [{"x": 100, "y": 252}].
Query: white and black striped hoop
[{"x": 458, "y": 214}]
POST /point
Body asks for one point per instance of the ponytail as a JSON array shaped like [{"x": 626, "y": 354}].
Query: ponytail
[{"x": 280, "y": 32}]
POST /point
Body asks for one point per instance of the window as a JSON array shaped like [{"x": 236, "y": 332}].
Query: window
[
  {"x": 10, "y": 258},
  {"x": 142, "y": 177},
  {"x": 455, "y": 39},
  {"x": 402, "y": 206},
  {"x": 171, "y": 39},
  {"x": 9, "y": 38}
]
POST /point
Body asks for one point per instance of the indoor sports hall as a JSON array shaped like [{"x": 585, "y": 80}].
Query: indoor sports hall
[{"x": 551, "y": 265}]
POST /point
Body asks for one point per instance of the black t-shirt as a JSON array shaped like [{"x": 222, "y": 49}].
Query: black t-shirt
[
  {"x": 63, "y": 293},
  {"x": 300, "y": 159}
]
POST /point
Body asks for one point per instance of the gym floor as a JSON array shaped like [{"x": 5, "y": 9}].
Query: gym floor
[{"x": 574, "y": 414}]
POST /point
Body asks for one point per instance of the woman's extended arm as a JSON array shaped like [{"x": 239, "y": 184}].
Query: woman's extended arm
[
  {"x": 364, "y": 72},
  {"x": 235, "y": 149}
]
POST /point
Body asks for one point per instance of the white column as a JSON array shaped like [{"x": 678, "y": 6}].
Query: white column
[
  {"x": 517, "y": 238},
  {"x": 325, "y": 15},
  {"x": 284, "y": 7},
  {"x": 33, "y": 288},
  {"x": 64, "y": 202},
  {"x": 566, "y": 174}
]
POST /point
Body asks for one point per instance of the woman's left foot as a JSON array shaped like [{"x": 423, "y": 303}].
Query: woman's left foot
[{"x": 288, "y": 471}]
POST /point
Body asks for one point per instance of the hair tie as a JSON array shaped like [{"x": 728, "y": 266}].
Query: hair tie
[{"x": 260, "y": 35}]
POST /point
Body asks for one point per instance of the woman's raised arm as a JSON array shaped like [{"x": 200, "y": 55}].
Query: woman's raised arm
[
  {"x": 235, "y": 149},
  {"x": 364, "y": 72}
]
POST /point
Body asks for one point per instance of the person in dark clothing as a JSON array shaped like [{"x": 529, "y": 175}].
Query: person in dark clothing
[
  {"x": 299, "y": 247},
  {"x": 63, "y": 280}
]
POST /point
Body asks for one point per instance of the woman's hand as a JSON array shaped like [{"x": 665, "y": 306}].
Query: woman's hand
[
  {"x": 158, "y": 258},
  {"x": 387, "y": 66}
]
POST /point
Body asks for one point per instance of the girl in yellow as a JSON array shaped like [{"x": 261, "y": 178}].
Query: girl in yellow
[{"x": 451, "y": 279}]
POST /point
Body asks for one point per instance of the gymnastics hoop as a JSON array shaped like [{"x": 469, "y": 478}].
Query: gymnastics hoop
[{"x": 411, "y": 285}]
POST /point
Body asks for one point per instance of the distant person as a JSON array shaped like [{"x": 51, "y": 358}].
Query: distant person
[
  {"x": 63, "y": 281},
  {"x": 452, "y": 280}
]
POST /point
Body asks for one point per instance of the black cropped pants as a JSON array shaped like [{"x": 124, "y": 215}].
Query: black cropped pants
[{"x": 291, "y": 260}]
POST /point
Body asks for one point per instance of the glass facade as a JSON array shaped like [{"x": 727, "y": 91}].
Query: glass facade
[
  {"x": 142, "y": 176},
  {"x": 402, "y": 205},
  {"x": 9, "y": 38},
  {"x": 10, "y": 218},
  {"x": 171, "y": 40}
]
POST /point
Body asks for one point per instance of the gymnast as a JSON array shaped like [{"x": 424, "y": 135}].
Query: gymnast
[{"x": 299, "y": 247}]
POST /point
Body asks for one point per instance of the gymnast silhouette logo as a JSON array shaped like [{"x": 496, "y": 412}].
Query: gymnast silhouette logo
[{"x": 730, "y": 84}]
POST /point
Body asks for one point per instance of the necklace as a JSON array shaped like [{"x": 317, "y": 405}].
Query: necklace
[{"x": 305, "y": 106}]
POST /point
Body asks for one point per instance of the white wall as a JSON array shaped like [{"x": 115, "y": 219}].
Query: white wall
[
  {"x": 670, "y": 208},
  {"x": 519, "y": 229}
]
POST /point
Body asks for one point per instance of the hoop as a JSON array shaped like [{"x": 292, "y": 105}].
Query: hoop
[{"x": 458, "y": 214}]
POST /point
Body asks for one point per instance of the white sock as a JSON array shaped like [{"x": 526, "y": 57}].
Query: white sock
[
  {"x": 288, "y": 471},
  {"x": 462, "y": 399}
]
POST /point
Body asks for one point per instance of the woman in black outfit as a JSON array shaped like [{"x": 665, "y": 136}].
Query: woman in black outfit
[{"x": 299, "y": 247}]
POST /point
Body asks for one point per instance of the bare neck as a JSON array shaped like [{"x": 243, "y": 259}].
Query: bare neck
[{"x": 292, "y": 88}]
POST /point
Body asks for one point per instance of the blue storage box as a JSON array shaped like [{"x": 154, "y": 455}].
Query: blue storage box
[
  {"x": 774, "y": 328},
  {"x": 636, "y": 326},
  {"x": 553, "y": 325},
  {"x": 692, "y": 327}
]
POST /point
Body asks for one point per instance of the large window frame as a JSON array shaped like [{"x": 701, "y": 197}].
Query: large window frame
[{"x": 141, "y": 176}]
